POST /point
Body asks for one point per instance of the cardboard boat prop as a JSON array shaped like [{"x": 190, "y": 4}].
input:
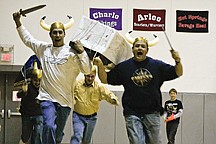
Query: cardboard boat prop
[{"x": 101, "y": 40}]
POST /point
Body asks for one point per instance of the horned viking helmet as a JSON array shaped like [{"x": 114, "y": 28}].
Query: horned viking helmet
[
  {"x": 132, "y": 40},
  {"x": 56, "y": 24}
]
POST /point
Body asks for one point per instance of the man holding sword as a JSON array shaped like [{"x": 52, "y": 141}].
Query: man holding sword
[{"x": 61, "y": 64}]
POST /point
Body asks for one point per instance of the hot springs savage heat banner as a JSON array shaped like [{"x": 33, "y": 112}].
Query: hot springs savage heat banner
[{"x": 192, "y": 21}]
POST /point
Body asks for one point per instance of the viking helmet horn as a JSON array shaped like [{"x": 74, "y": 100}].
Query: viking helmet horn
[
  {"x": 43, "y": 24},
  {"x": 36, "y": 72}
]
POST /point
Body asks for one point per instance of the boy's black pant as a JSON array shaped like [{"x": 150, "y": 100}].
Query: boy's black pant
[{"x": 171, "y": 129}]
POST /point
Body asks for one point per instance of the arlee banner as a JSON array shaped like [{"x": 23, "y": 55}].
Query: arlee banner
[{"x": 148, "y": 20}]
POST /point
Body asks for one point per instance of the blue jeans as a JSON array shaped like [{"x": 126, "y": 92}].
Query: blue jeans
[
  {"x": 55, "y": 117},
  {"x": 143, "y": 130},
  {"x": 32, "y": 126},
  {"x": 83, "y": 129}
]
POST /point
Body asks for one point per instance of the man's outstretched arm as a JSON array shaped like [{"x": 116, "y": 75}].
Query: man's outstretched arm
[{"x": 101, "y": 70}]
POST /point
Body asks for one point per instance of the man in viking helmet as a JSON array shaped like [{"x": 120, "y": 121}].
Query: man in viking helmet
[
  {"x": 28, "y": 85},
  {"x": 141, "y": 77},
  {"x": 61, "y": 64}
]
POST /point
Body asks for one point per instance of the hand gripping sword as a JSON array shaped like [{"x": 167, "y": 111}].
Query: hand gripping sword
[{"x": 29, "y": 10}]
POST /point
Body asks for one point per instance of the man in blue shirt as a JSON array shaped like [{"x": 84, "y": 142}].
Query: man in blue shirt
[{"x": 141, "y": 77}]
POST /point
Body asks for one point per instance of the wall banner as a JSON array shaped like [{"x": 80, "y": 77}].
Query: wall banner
[
  {"x": 109, "y": 17},
  {"x": 192, "y": 21},
  {"x": 148, "y": 20}
]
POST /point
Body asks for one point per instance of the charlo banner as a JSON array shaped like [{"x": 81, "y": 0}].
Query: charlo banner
[{"x": 109, "y": 17}]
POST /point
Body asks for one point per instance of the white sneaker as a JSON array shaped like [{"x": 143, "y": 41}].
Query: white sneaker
[{"x": 21, "y": 142}]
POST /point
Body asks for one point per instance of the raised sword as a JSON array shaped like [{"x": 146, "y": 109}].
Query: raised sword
[{"x": 29, "y": 10}]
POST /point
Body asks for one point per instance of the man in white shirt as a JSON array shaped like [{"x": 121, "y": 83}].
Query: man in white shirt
[{"x": 61, "y": 65}]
